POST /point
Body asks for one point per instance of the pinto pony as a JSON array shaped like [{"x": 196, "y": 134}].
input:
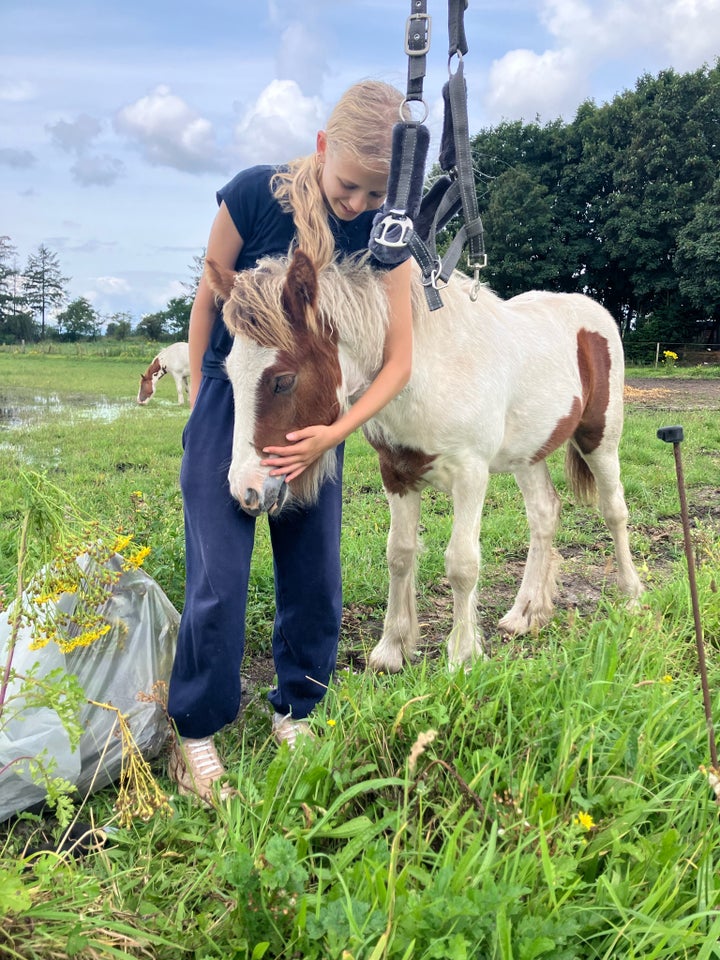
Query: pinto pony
[
  {"x": 174, "y": 360},
  {"x": 496, "y": 386}
]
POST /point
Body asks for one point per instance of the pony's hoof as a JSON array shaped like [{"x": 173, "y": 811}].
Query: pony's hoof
[{"x": 385, "y": 659}]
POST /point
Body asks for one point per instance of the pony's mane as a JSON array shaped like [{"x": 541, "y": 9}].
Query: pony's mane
[
  {"x": 254, "y": 308},
  {"x": 351, "y": 303}
]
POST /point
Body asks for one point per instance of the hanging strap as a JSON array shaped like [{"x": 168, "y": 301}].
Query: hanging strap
[{"x": 406, "y": 219}]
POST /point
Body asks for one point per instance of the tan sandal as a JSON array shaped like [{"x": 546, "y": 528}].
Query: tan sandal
[
  {"x": 286, "y": 730},
  {"x": 195, "y": 768}
]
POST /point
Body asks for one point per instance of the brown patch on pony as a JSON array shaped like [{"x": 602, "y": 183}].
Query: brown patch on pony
[
  {"x": 594, "y": 364},
  {"x": 563, "y": 430},
  {"x": 402, "y": 468},
  {"x": 586, "y": 421}
]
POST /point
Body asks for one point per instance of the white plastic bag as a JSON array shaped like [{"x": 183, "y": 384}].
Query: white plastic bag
[{"x": 129, "y": 660}]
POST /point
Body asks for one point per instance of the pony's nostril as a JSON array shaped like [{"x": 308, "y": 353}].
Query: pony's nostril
[{"x": 251, "y": 499}]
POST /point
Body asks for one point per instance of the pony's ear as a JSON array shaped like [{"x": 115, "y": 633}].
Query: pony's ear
[
  {"x": 221, "y": 279},
  {"x": 300, "y": 292}
]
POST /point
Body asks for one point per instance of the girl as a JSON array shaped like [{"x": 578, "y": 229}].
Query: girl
[{"x": 325, "y": 203}]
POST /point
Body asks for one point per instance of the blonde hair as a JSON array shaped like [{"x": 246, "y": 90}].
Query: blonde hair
[{"x": 360, "y": 125}]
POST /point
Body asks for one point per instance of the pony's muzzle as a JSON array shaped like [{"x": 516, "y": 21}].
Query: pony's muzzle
[{"x": 270, "y": 499}]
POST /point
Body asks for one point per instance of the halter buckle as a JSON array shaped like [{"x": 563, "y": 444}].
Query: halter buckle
[
  {"x": 417, "y": 44},
  {"x": 394, "y": 223}
]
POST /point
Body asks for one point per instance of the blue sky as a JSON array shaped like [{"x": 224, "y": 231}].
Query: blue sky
[{"x": 118, "y": 121}]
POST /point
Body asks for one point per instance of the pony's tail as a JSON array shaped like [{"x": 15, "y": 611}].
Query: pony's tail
[{"x": 579, "y": 476}]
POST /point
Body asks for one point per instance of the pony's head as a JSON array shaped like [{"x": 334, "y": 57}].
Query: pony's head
[
  {"x": 284, "y": 370},
  {"x": 148, "y": 381}
]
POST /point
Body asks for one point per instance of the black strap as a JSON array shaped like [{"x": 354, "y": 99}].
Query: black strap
[
  {"x": 404, "y": 220},
  {"x": 456, "y": 27},
  {"x": 417, "y": 44}
]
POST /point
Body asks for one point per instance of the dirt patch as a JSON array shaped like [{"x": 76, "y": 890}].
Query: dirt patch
[{"x": 673, "y": 393}]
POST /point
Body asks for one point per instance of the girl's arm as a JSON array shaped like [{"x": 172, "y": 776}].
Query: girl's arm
[
  {"x": 311, "y": 442},
  {"x": 224, "y": 246}
]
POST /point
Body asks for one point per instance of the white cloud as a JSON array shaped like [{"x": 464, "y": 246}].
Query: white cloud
[
  {"x": 281, "y": 125},
  {"x": 525, "y": 84},
  {"x": 301, "y": 57},
  {"x": 16, "y": 91},
  {"x": 588, "y": 35},
  {"x": 112, "y": 285},
  {"x": 169, "y": 133}
]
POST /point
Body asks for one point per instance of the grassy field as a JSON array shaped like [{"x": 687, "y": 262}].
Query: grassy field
[{"x": 547, "y": 803}]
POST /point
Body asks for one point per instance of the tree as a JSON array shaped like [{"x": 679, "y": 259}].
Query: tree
[
  {"x": 697, "y": 261},
  {"x": 173, "y": 322},
  {"x": 152, "y": 326},
  {"x": 79, "y": 321},
  {"x": 196, "y": 271},
  {"x": 119, "y": 326},
  {"x": 520, "y": 215},
  {"x": 44, "y": 284},
  {"x": 15, "y": 319},
  {"x": 177, "y": 317}
]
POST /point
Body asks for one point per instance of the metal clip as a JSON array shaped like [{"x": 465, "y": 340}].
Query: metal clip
[
  {"x": 476, "y": 267},
  {"x": 422, "y": 34},
  {"x": 394, "y": 223}
]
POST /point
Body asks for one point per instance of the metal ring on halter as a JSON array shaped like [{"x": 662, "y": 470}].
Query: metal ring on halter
[
  {"x": 459, "y": 56},
  {"x": 432, "y": 281},
  {"x": 409, "y": 119}
]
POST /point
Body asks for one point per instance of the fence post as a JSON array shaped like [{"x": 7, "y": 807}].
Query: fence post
[{"x": 657, "y": 354}]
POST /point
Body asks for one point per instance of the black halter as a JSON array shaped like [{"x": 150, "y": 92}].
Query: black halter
[{"x": 407, "y": 219}]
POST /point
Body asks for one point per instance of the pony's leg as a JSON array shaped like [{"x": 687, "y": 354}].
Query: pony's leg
[
  {"x": 462, "y": 565},
  {"x": 534, "y": 602},
  {"x": 401, "y": 631},
  {"x": 605, "y": 467},
  {"x": 178, "y": 386}
]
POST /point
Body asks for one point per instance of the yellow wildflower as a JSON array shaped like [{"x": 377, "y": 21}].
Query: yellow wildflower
[
  {"x": 667, "y": 678},
  {"x": 584, "y": 820},
  {"x": 137, "y": 559},
  {"x": 331, "y": 723},
  {"x": 121, "y": 543}
]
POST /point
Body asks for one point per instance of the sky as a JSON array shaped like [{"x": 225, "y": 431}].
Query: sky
[{"x": 119, "y": 120}]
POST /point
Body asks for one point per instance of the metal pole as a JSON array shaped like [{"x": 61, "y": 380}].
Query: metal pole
[{"x": 675, "y": 436}]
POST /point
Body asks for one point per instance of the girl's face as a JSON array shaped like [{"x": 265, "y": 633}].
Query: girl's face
[{"x": 349, "y": 188}]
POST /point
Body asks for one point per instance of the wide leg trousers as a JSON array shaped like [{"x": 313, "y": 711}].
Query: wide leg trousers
[{"x": 205, "y": 682}]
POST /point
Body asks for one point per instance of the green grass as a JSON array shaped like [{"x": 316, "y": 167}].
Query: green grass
[{"x": 347, "y": 849}]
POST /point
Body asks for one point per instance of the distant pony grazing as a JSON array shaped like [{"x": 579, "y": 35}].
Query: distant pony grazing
[
  {"x": 496, "y": 387},
  {"x": 174, "y": 360}
]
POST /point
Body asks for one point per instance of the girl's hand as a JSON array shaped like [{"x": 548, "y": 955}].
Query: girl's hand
[{"x": 307, "y": 445}]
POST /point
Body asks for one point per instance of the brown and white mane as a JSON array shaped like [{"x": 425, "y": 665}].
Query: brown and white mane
[{"x": 496, "y": 386}]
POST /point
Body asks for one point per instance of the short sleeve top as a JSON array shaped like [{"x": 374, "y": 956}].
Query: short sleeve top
[{"x": 268, "y": 230}]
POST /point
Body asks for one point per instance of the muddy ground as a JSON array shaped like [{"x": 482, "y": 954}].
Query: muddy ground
[{"x": 580, "y": 581}]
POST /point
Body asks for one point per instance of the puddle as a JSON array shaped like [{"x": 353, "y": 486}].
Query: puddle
[{"x": 24, "y": 409}]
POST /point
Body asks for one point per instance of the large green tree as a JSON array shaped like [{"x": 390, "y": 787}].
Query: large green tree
[
  {"x": 44, "y": 284},
  {"x": 620, "y": 203},
  {"x": 78, "y": 321}
]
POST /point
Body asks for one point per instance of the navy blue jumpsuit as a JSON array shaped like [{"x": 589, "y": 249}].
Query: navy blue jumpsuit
[{"x": 205, "y": 682}]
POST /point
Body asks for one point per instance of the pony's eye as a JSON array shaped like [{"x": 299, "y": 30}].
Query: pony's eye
[{"x": 284, "y": 383}]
